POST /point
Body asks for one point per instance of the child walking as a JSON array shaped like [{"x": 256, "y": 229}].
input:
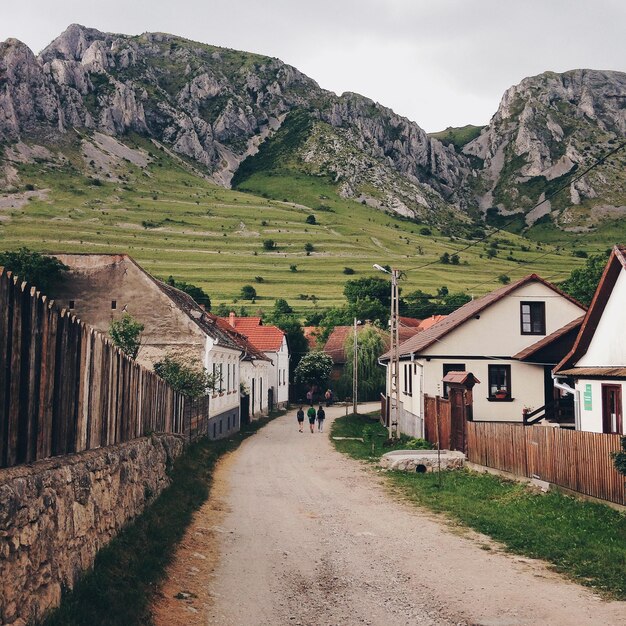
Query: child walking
[
  {"x": 311, "y": 415},
  {"x": 321, "y": 416}
]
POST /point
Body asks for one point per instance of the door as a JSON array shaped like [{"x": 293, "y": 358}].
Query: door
[{"x": 612, "y": 409}]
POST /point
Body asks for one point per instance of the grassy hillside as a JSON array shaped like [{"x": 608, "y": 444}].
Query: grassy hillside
[
  {"x": 458, "y": 137},
  {"x": 173, "y": 221}
]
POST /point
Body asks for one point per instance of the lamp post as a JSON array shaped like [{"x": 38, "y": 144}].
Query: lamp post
[{"x": 395, "y": 353}]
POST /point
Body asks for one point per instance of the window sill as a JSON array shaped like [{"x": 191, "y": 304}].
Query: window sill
[{"x": 493, "y": 399}]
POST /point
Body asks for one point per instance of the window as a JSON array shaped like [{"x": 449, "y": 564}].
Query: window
[
  {"x": 71, "y": 304},
  {"x": 533, "y": 318},
  {"x": 451, "y": 367},
  {"x": 500, "y": 382},
  {"x": 221, "y": 377},
  {"x": 408, "y": 379},
  {"x": 228, "y": 378},
  {"x": 113, "y": 305}
]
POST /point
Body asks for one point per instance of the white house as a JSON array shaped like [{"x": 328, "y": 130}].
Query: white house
[
  {"x": 99, "y": 288},
  {"x": 597, "y": 362},
  {"x": 504, "y": 339},
  {"x": 271, "y": 341}
]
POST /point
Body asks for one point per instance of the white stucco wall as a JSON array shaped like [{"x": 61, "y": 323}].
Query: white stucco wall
[
  {"x": 497, "y": 332},
  {"x": 217, "y": 356},
  {"x": 591, "y": 418},
  {"x": 279, "y": 373},
  {"x": 256, "y": 377},
  {"x": 608, "y": 345}
]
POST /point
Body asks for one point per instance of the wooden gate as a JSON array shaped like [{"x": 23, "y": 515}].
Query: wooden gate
[{"x": 458, "y": 418}]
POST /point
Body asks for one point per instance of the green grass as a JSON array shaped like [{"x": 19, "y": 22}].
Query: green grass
[
  {"x": 176, "y": 222},
  {"x": 127, "y": 572},
  {"x": 458, "y": 137},
  {"x": 584, "y": 540},
  {"x": 368, "y": 427}
]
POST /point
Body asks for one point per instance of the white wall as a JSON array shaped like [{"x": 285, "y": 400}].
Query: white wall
[
  {"x": 279, "y": 374},
  {"x": 497, "y": 332},
  {"x": 591, "y": 419},
  {"x": 608, "y": 345},
  {"x": 259, "y": 372},
  {"x": 218, "y": 358}
]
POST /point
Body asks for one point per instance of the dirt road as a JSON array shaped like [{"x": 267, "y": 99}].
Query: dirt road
[{"x": 295, "y": 533}]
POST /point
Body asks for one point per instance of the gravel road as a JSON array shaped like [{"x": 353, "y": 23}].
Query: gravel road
[{"x": 296, "y": 533}]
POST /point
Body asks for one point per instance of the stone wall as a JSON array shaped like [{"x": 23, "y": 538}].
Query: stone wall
[{"x": 56, "y": 514}]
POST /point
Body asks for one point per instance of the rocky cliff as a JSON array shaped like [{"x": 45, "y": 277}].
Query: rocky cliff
[
  {"x": 546, "y": 130},
  {"x": 208, "y": 104}
]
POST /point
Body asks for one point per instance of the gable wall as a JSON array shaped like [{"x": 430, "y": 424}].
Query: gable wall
[
  {"x": 497, "y": 332},
  {"x": 608, "y": 345}
]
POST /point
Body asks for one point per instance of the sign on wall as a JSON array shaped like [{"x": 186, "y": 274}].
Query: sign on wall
[{"x": 587, "y": 398}]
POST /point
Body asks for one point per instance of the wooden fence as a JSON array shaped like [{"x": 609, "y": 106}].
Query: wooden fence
[
  {"x": 65, "y": 388},
  {"x": 437, "y": 409},
  {"x": 577, "y": 460}
]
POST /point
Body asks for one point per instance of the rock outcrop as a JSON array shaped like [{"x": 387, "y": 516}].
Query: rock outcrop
[
  {"x": 212, "y": 105},
  {"x": 546, "y": 128}
]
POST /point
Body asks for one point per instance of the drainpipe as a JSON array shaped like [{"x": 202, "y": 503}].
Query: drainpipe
[{"x": 564, "y": 387}]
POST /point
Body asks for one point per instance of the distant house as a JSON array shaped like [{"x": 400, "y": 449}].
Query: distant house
[
  {"x": 99, "y": 288},
  {"x": 597, "y": 361},
  {"x": 491, "y": 337},
  {"x": 336, "y": 342},
  {"x": 272, "y": 342}
]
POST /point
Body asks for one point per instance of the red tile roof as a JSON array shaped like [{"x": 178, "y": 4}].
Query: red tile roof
[
  {"x": 264, "y": 338},
  {"x": 409, "y": 321},
  {"x": 334, "y": 346},
  {"x": 430, "y": 321},
  {"x": 428, "y": 337},
  {"x": 311, "y": 333}
]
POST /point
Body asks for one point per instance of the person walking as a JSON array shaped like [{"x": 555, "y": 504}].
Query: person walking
[
  {"x": 300, "y": 416},
  {"x": 329, "y": 397},
  {"x": 311, "y": 415},
  {"x": 321, "y": 416}
]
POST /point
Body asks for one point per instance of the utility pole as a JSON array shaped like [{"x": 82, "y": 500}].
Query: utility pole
[
  {"x": 355, "y": 370},
  {"x": 395, "y": 356}
]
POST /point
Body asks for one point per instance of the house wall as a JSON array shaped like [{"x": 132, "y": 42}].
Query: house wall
[
  {"x": 96, "y": 280},
  {"x": 591, "y": 418},
  {"x": 219, "y": 361},
  {"x": 279, "y": 374},
  {"x": 497, "y": 330},
  {"x": 608, "y": 347},
  {"x": 256, "y": 377}
]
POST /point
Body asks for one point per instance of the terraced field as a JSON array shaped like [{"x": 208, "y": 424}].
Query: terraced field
[{"x": 173, "y": 221}]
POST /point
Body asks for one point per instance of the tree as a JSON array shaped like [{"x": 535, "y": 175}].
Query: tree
[
  {"x": 186, "y": 377},
  {"x": 197, "y": 293},
  {"x": 269, "y": 244},
  {"x": 310, "y": 219},
  {"x": 583, "y": 281},
  {"x": 126, "y": 334},
  {"x": 455, "y": 259},
  {"x": 371, "y": 375},
  {"x": 504, "y": 279},
  {"x": 375, "y": 288},
  {"x": 281, "y": 307},
  {"x": 445, "y": 258},
  {"x": 248, "y": 292},
  {"x": 282, "y": 316},
  {"x": 309, "y": 247},
  {"x": 348, "y": 270},
  {"x": 314, "y": 369},
  {"x": 44, "y": 272}
]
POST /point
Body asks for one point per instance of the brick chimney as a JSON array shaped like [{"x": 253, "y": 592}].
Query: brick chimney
[{"x": 231, "y": 318}]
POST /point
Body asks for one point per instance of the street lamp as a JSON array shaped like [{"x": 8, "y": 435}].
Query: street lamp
[{"x": 395, "y": 353}]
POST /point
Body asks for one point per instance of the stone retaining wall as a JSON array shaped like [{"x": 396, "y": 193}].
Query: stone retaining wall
[{"x": 56, "y": 514}]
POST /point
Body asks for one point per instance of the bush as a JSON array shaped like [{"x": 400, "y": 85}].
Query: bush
[
  {"x": 311, "y": 219},
  {"x": 309, "y": 247},
  {"x": 581, "y": 254},
  {"x": 259, "y": 279},
  {"x": 269, "y": 244},
  {"x": 293, "y": 268},
  {"x": 454, "y": 259},
  {"x": 425, "y": 231},
  {"x": 248, "y": 292},
  {"x": 504, "y": 279},
  {"x": 186, "y": 377},
  {"x": 126, "y": 334},
  {"x": 348, "y": 270},
  {"x": 44, "y": 272},
  {"x": 445, "y": 258}
]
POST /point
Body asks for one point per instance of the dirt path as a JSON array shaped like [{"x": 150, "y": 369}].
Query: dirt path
[{"x": 295, "y": 533}]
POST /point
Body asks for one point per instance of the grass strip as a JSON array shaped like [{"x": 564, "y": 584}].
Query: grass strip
[
  {"x": 584, "y": 540},
  {"x": 127, "y": 572}
]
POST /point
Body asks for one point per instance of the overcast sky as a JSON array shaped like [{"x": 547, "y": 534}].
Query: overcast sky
[{"x": 439, "y": 62}]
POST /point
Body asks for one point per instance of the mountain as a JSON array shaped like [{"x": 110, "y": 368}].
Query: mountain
[
  {"x": 547, "y": 130},
  {"x": 214, "y": 106}
]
